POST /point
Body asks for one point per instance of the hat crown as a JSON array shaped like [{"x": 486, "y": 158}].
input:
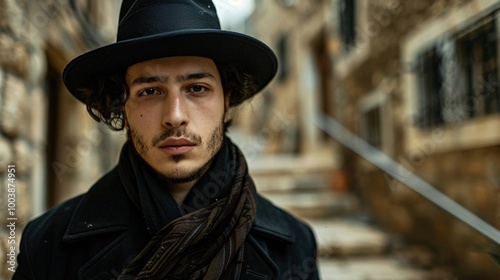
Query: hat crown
[{"x": 140, "y": 18}]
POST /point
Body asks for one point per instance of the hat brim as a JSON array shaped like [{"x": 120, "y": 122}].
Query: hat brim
[{"x": 224, "y": 47}]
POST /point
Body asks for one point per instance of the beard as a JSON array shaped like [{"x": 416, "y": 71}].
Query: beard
[{"x": 176, "y": 176}]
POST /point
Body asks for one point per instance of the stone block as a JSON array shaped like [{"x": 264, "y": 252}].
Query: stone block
[
  {"x": 484, "y": 197},
  {"x": 4, "y": 247},
  {"x": 13, "y": 107},
  {"x": 402, "y": 220},
  {"x": 22, "y": 156},
  {"x": 23, "y": 201},
  {"x": 38, "y": 117},
  {"x": 460, "y": 232},
  {"x": 14, "y": 55},
  {"x": 22, "y": 204},
  {"x": 38, "y": 66},
  {"x": 402, "y": 194},
  {"x": 6, "y": 153},
  {"x": 2, "y": 84},
  {"x": 3, "y": 196},
  {"x": 12, "y": 17},
  {"x": 475, "y": 167}
]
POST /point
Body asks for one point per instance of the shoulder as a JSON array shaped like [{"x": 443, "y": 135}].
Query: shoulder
[
  {"x": 274, "y": 220},
  {"x": 40, "y": 237},
  {"x": 43, "y": 239},
  {"x": 269, "y": 215},
  {"x": 289, "y": 242},
  {"x": 55, "y": 220},
  {"x": 52, "y": 223},
  {"x": 48, "y": 230}
]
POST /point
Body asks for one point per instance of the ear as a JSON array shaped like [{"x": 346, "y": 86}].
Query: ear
[
  {"x": 124, "y": 112},
  {"x": 125, "y": 120},
  {"x": 228, "y": 111}
]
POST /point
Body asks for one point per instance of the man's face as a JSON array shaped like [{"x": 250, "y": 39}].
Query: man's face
[{"x": 175, "y": 114}]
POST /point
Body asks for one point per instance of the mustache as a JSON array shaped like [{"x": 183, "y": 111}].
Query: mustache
[{"x": 177, "y": 132}]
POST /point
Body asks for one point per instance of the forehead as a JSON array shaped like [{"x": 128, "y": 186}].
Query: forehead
[{"x": 172, "y": 65}]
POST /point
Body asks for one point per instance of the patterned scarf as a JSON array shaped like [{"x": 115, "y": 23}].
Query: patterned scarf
[{"x": 204, "y": 237}]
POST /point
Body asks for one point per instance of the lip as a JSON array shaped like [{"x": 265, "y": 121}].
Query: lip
[{"x": 177, "y": 146}]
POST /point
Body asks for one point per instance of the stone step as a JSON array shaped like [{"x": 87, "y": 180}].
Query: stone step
[
  {"x": 339, "y": 237},
  {"x": 292, "y": 182},
  {"x": 372, "y": 268},
  {"x": 285, "y": 173},
  {"x": 318, "y": 204},
  {"x": 284, "y": 163}
]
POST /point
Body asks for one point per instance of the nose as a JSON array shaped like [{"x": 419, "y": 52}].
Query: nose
[{"x": 175, "y": 112}]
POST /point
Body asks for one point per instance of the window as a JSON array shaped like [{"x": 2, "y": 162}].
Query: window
[
  {"x": 376, "y": 121},
  {"x": 430, "y": 82},
  {"x": 346, "y": 10},
  {"x": 373, "y": 127},
  {"x": 479, "y": 59},
  {"x": 459, "y": 110},
  {"x": 283, "y": 57},
  {"x": 458, "y": 78}
]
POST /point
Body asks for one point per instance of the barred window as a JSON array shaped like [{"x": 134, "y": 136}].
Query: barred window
[
  {"x": 283, "y": 57},
  {"x": 458, "y": 78},
  {"x": 373, "y": 129},
  {"x": 347, "y": 17},
  {"x": 430, "y": 83},
  {"x": 479, "y": 61}
]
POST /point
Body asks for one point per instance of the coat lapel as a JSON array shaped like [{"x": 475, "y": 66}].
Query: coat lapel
[
  {"x": 270, "y": 225},
  {"x": 107, "y": 221}
]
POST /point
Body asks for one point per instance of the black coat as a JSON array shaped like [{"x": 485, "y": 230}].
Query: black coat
[{"x": 94, "y": 236}]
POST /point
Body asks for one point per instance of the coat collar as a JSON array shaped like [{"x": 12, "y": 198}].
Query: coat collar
[
  {"x": 103, "y": 209},
  {"x": 107, "y": 208},
  {"x": 271, "y": 221}
]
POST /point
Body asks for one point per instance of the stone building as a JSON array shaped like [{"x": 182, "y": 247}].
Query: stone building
[
  {"x": 57, "y": 150},
  {"x": 418, "y": 80}
]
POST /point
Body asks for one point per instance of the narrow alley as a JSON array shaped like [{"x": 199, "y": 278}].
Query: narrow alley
[{"x": 350, "y": 245}]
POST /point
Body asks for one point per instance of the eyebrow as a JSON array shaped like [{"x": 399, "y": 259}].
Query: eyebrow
[
  {"x": 149, "y": 80},
  {"x": 194, "y": 76},
  {"x": 164, "y": 79}
]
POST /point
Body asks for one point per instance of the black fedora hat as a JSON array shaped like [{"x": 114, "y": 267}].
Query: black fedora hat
[{"x": 150, "y": 29}]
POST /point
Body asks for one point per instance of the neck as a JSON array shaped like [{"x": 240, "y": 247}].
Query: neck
[{"x": 180, "y": 191}]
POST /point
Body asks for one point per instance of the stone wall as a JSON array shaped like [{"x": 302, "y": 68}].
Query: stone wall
[
  {"x": 467, "y": 175},
  {"x": 37, "y": 38},
  {"x": 470, "y": 178},
  {"x": 23, "y": 106}
]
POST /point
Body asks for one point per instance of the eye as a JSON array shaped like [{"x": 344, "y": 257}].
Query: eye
[
  {"x": 197, "y": 89},
  {"x": 148, "y": 92}
]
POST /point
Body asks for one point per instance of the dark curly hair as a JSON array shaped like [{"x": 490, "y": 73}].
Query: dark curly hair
[{"x": 106, "y": 98}]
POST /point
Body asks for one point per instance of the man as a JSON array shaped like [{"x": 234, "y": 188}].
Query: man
[{"x": 180, "y": 204}]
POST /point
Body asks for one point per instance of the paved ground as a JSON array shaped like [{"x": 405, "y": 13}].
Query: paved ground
[
  {"x": 338, "y": 237},
  {"x": 356, "y": 251},
  {"x": 368, "y": 268}
]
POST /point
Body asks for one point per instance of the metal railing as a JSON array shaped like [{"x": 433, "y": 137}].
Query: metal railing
[{"x": 394, "y": 169}]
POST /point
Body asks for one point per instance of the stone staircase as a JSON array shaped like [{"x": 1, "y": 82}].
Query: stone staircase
[{"x": 349, "y": 248}]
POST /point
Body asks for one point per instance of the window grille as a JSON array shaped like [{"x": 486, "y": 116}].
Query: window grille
[
  {"x": 347, "y": 17},
  {"x": 458, "y": 78},
  {"x": 430, "y": 82},
  {"x": 373, "y": 127},
  {"x": 479, "y": 57}
]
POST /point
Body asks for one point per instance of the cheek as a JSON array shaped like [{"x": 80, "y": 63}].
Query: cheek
[
  {"x": 139, "y": 142},
  {"x": 137, "y": 115}
]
